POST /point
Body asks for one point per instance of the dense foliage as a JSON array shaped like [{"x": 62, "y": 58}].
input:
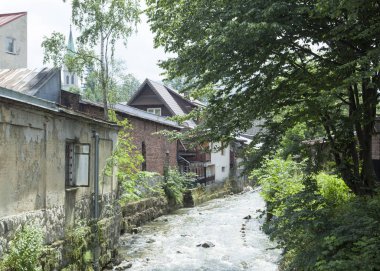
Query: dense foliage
[
  {"x": 24, "y": 250},
  {"x": 175, "y": 184},
  {"x": 284, "y": 62},
  {"x": 318, "y": 222}
]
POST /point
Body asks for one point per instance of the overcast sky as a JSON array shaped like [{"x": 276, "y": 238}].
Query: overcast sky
[{"x": 46, "y": 16}]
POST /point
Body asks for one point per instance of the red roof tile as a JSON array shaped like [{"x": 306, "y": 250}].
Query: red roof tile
[{"x": 9, "y": 17}]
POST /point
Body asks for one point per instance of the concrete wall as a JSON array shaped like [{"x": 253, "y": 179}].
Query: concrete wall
[
  {"x": 221, "y": 160},
  {"x": 16, "y": 29},
  {"x": 32, "y": 170}
]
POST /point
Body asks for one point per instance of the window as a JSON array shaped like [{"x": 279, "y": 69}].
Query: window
[
  {"x": 143, "y": 153},
  {"x": 67, "y": 79},
  {"x": 77, "y": 164},
  {"x": 72, "y": 79},
  {"x": 155, "y": 111},
  {"x": 223, "y": 169},
  {"x": 10, "y": 45}
]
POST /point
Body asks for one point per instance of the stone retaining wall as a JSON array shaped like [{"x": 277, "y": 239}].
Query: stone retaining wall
[
  {"x": 137, "y": 213},
  {"x": 196, "y": 196}
]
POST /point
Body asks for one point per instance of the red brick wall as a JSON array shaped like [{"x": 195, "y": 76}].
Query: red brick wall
[
  {"x": 143, "y": 131},
  {"x": 156, "y": 145}
]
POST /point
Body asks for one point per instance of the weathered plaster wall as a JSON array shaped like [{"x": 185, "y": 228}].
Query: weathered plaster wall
[
  {"x": 16, "y": 29},
  {"x": 32, "y": 171}
]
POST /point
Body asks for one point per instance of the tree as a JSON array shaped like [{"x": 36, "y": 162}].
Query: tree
[
  {"x": 102, "y": 23},
  {"x": 121, "y": 86},
  {"x": 283, "y": 61}
]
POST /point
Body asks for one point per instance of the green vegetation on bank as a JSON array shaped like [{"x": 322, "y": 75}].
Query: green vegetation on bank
[{"x": 317, "y": 221}]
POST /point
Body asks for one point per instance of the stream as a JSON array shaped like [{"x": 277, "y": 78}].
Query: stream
[{"x": 174, "y": 242}]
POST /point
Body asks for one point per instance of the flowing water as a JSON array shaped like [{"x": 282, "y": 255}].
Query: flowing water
[{"x": 169, "y": 243}]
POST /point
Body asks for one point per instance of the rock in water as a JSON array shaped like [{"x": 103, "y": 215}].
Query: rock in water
[
  {"x": 123, "y": 266},
  {"x": 248, "y": 217},
  {"x": 206, "y": 244}
]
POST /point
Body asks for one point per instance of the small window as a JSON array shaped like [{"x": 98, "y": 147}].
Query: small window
[
  {"x": 72, "y": 79},
  {"x": 143, "y": 153},
  {"x": 222, "y": 151},
  {"x": 67, "y": 79},
  {"x": 77, "y": 164},
  {"x": 10, "y": 45},
  {"x": 155, "y": 111},
  {"x": 223, "y": 169}
]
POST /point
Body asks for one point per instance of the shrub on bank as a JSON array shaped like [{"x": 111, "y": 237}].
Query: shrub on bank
[
  {"x": 317, "y": 222},
  {"x": 175, "y": 184},
  {"x": 24, "y": 250}
]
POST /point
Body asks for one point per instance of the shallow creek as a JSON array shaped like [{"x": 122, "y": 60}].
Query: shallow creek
[{"x": 169, "y": 243}]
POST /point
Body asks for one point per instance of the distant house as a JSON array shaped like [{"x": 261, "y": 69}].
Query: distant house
[
  {"x": 156, "y": 149},
  {"x": 13, "y": 40},
  {"x": 161, "y": 100}
]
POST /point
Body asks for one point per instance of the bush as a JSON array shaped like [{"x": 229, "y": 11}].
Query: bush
[
  {"x": 319, "y": 224},
  {"x": 175, "y": 184},
  {"x": 24, "y": 251}
]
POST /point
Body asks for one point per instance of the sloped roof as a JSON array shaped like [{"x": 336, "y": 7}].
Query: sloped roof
[
  {"x": 9, "y": 17},
  {"x": 132, "y": 111},
  {"x": 164, "y": 93},
  {"x": 24, "y": 80}
]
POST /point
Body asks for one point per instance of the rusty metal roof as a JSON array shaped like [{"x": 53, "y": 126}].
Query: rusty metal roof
[
  {"x": 9, "y": 17},
  {"x": 24, "y": 80}
]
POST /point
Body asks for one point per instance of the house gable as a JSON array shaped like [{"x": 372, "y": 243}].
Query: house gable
[{"x": 147, "y": 98}]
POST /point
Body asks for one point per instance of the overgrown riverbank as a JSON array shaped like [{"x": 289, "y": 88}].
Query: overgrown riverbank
[{"x": 317, "y": 221}]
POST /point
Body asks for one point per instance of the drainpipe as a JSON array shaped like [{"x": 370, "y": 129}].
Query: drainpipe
[{"x": 96, "y": 196}]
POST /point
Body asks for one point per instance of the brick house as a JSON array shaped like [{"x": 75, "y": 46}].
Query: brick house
[
  {"x": 156, "y": 149},
  {"x": 161, "y": 100}
]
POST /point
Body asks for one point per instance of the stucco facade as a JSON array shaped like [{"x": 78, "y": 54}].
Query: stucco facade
[
  {"x": 221, "y": 160},
  {"x": 13, "y": 41},
  {"x": 33, "y": 164}
]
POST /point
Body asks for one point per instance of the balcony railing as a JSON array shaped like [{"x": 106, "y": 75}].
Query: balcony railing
[{"x": 205, "y": 180}]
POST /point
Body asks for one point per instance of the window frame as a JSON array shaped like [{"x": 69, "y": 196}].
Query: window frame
[
  {"x": 152, "y": 110},
  {"x": 10, "y": 40},
  {"x": 70, "y": 181}
]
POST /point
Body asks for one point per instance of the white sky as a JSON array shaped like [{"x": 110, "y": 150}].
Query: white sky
[{"x": 46, "y": 16}]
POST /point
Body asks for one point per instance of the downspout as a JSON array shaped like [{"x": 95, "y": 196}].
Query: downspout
[{"x": 96, "y": 203}]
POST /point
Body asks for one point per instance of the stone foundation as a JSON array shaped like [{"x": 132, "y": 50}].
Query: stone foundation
[
  {"x": 201, "y": 194},
  {"x": 140, "y": 212}
]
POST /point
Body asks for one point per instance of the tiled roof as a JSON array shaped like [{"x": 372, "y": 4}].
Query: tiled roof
[
  {"x": 9, "y": 17},
  {"x": 24, "y": 80}
]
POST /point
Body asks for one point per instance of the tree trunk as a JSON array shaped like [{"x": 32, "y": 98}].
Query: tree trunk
[{"x": 103, "y": 79}]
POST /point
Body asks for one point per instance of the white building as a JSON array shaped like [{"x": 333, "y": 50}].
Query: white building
[
  {"x": 220, "y": 157},
  {"x": 70, "y": 79},
  {"x": 13, "y": 40}
]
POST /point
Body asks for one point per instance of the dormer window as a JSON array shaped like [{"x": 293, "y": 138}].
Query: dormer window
[
  {"x": 10, "y": 45},
  {"x": 155, "y": 111}
]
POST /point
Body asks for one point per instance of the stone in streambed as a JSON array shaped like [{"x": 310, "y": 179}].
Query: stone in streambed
[{"x": 206, "y": 244}]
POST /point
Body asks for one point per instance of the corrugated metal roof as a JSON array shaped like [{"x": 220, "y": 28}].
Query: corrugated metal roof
[
  {"x": 9, "y": 17},
  {"x": 24, "y": 80},
  {"x": 144, "y": 115}
]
